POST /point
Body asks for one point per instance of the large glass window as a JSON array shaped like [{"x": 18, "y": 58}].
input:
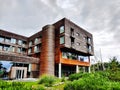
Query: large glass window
[
  {"x": 74, "y": 56},
  {"x": 13, "y": 40},
  {"x": 62, "y": 29},
  {"x": 62, "y": 40},
  {"x": 69, "y": 55}
]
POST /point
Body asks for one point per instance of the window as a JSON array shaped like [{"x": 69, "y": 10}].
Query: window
[
  {"x": 89, "y": 48},
  {"x": 72, "y": 31},
  {"x": 89, "y": 40},
  {"x": 29, "y": 50},
  {"x": 20, "y": 42},
  {"x": 62, "y": 40},
  {"x": 1, "y": 39},
  {"x": 7, "y": 40},
  {"x": 36, "y": 49},
  {"x": 30, "y": 43},
  {"x": 1, "y": 47},
  {"x": 62, "y": 29},
  {"x": 6, "y": 48},
  {"x": 69, "y": 55},
  {"x": 23, "y": 50},
  {"x": 24, "y": 43},
  {"x": 12, "y": 49},
  {"x": 64, "y": 55},
  {"x": 78, "y": 43},
  {"x": 19, "y": 50},
  {"x": 13, "y": 40},
  {"x": 72, "y": 42},
  {"x": 36, "y": 40},
  {"x": 80, "y": 58},
  {"x": 77, "y": 34},
  {"x": 84, "y": 39}
]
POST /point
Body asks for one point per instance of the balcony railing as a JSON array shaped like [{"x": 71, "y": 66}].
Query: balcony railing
[{"x": 13, "y": 53}]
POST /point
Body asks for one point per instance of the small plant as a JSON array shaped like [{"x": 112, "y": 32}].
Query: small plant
[
  {"x": 38, "y": 87},
  {"x": 63, "y": 79},
  {"x": 47, "y": 80}
]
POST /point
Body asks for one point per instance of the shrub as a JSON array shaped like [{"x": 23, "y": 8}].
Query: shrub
[
  {"x": 38, "y": 87},
  {"x": 114, "y": 76},
  {"x": 47, "y": 80},
  {"x": 75, "y": 76},
  {"x": 93, "y": 81}
]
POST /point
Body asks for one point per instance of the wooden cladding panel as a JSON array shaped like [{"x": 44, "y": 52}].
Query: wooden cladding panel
[
  {"x": 47, "y": 52},
  {"x": 74, "y": 62}
]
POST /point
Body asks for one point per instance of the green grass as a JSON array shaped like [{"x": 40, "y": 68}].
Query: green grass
[{"x": 86, "y": 81}]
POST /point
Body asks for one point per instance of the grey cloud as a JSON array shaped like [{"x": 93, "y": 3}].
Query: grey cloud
[{"x": 96, "y": 16}]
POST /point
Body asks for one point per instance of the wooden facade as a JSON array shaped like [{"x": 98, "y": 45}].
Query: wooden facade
[{"x": 49, "y": 48}]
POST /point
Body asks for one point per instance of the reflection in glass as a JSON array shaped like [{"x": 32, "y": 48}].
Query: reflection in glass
[{"x": 14, "y": 70}]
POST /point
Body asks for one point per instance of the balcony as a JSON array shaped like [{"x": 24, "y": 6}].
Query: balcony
[{"x": 8, "y": 56}]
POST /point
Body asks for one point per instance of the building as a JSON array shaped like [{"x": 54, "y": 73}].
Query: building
[{"x": 58, "y": 49}]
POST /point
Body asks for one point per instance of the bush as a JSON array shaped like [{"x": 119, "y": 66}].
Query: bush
[
  {"x": 47, "y": 80},
  {"x": 75, "y": 76},
  {"x": 36, "y": 87},
  {"x": 114, "y": 76},
  {"x": 12, "y": 86},
  {"x": 92, "y": 81}
]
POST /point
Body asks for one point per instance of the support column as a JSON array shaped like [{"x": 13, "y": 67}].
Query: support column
[
  {"x": 59, "y": 70},
  {"x": 30, "y": 70},
  {"x": 89, "y": 65},
  {"x": 89, "y": 69},
  {"x": 77, "y": 69},
  {"x": 84, "y": 69}
]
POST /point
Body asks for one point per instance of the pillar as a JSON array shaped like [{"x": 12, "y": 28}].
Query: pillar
[
  {"x": 89, "y": 69},
  {"x": 89, "y": 65},
  {"x": 59, "y": 70},
  {"x": 77, "y": 69}
]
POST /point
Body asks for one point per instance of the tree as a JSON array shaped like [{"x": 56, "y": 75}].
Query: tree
[
  {"x": 114, "y": 69},
  {"x": 114, "y": 65}
]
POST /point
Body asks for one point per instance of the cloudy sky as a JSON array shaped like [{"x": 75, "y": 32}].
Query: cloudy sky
[{"x": 99, "y": 17}]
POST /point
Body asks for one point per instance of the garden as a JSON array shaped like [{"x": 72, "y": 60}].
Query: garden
[{"x": 108, "y": 79}]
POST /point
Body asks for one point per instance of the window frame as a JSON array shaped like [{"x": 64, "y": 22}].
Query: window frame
[
  {"x": 62, "y": 28},
  {"x": 63, "y": 39}
]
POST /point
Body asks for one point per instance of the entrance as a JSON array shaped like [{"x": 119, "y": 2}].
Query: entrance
[{"x": 19, "y": 74}]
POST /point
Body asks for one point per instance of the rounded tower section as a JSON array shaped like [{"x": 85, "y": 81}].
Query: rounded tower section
[{"x": 47, "y": 61}]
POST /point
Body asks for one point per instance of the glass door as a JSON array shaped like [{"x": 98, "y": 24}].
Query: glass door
[{"x": 19, "y": 74}]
